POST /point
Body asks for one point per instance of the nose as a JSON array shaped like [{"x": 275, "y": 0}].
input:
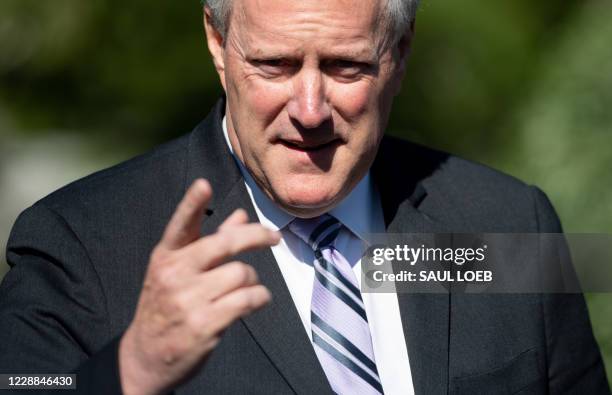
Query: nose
[{"x": 308, "y": 104}]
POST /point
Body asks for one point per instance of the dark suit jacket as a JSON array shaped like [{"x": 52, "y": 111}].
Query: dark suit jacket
[{"x": 79, "y": 256}]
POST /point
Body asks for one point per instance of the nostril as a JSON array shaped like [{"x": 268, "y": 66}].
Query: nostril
[
  {"x": 326, "y": 126},
  {"x": 311, "y": 116}
]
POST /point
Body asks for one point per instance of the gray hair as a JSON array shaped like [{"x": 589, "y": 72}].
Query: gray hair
[{"x": 398, "y": 14}]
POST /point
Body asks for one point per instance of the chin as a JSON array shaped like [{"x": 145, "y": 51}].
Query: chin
[{"x": 309, "y": 200}]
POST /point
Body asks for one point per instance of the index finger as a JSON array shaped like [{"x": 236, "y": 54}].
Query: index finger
[
  {"x": 184, "y": 226},
  {"x": 219, "y": 247}
]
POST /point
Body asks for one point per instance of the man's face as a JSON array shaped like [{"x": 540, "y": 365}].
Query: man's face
[{"x": 309, "y": 91}]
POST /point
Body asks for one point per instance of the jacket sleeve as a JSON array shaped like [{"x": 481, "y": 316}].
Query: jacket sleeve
[
  {"x": 574, "y": 362},
  {"x": 53, "y": 311}
]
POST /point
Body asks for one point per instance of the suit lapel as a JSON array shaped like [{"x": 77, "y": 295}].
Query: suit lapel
[
  {"x": 277, "y": 328},
  {"x": 425, "y": 317},
  {"x": 425, "y": 320}
]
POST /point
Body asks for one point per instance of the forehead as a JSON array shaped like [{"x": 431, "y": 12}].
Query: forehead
[{"x": 262, "y": 25}]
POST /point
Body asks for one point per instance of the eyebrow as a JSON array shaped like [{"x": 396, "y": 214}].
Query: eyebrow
[{"x": 365, "y": 54}]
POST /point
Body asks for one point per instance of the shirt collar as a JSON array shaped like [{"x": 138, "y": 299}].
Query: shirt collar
[{"x": 355, "y": 211}]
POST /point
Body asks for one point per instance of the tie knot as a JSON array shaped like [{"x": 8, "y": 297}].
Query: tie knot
[{"x": 318, "y": 232}]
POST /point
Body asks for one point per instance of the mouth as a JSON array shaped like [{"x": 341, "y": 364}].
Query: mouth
[{"x": 309, "y": 146}]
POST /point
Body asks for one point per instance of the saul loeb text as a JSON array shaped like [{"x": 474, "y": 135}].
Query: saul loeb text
[{"x": 429, "y": 264}]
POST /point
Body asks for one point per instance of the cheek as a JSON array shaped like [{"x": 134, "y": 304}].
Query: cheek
[
  {"x": 358, "y": 105},
  {"x": 259, "y": 101},
  {"x": 253, "y": 101},
  {"x": 266, "y": 99},
  {"x": 354, "y": 99}
]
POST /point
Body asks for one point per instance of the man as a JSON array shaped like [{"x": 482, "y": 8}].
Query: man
[{"x": 112, "y": 277}]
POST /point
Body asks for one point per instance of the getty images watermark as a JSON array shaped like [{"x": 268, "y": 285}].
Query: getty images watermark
[{"x": 488, "y": 263}]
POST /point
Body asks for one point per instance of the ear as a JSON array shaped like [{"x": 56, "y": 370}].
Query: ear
[
  {"x": 402, "y": 51},
  {"x": 215, "y": 43}
]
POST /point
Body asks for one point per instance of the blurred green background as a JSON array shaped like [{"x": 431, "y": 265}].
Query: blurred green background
[{"x": 520, "y": 85}]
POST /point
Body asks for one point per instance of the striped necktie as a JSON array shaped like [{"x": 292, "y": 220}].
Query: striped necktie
[{"x": 340, "y": 332}]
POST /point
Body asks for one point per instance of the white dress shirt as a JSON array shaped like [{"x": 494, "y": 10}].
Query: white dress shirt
[{"x": 361, "y": 213}]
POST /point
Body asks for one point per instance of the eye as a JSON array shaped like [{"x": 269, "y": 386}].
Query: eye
[
  {"x": 271, "y": 62},
  {"x": 273, "y": 66},
  {"x": 346, "y": 68},
  {"x": 345, "y": 63}
]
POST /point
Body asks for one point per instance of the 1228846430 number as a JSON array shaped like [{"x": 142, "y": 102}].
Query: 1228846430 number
[{"x": 37, "y": 381}]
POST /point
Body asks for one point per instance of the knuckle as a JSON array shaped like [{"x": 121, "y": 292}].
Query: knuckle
[
  {"x": 190, "y": 200},
  {"x": 261, "y": 233},
  {"x": 181, "y": 233},
  {"x": 219, "y": 242},
  {"x": 164, "y": 277},
  {"x": 200, "y": 325},
  {"x": 242, "y": 273},
  {"x": 158, "y": 256},
  {"x": 244, "y": 301},
  {"x": 153, "y": 277},
  {"x": 227, "y": 243},
  {"x": 223, "y": 239},
  {"x": 179, "y": 302},
  {"x": 194, "y": 322}
]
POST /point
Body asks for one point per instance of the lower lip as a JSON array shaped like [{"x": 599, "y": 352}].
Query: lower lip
[{"x": 311, "y": 155}]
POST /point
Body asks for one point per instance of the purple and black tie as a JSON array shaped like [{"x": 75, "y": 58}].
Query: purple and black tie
[{"x": 340, "y": 331}]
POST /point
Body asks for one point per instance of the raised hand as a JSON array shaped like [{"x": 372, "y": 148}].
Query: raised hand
[{"x": 192, "y": 291}]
